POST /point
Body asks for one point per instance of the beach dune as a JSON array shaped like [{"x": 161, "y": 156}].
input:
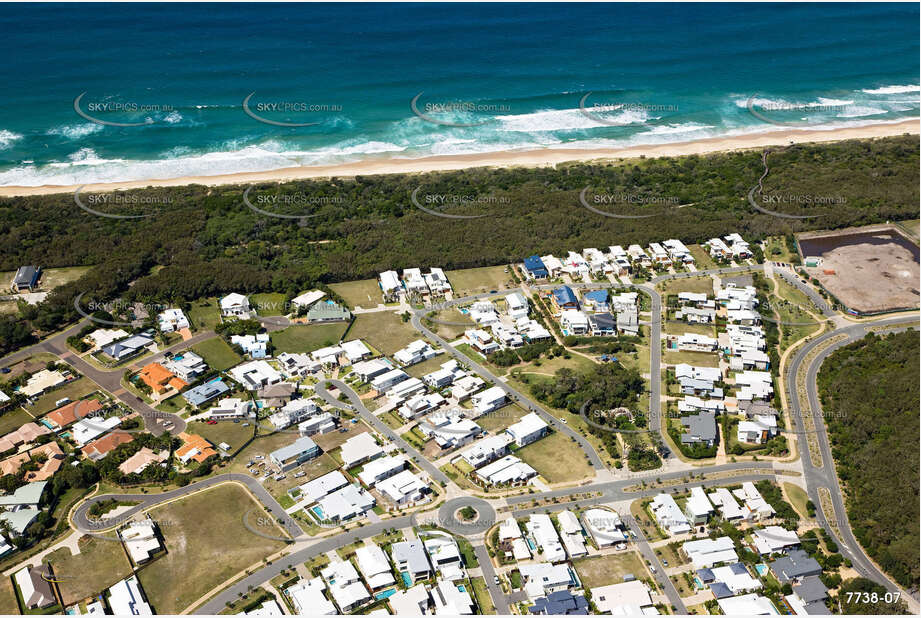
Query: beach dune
[{"x": 528, "y": 158}]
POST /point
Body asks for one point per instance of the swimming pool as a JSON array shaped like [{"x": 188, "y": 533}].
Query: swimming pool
[
  {"x": 762, "y": 569},
  {"x": 318, "y": 512},
  {"x": 461, "y": 588},
  {"x": 407, "y": 580},
  {"x": 531, "y": 544},
  {"x": 383, "y": 594}
]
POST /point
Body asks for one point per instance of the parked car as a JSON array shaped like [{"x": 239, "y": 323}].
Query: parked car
[{"x": 211, "y": 422}]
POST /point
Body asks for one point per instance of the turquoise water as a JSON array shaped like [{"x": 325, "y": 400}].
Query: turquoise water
[
  {"x": 318, "y": 512},
  {"x": 407, "y": 580},
  {"x": 513, "y": 73},
  {"x": 384, "y": 594},
  {"x": 762, "y": 569},
  {"x": 461, "y": 588}
]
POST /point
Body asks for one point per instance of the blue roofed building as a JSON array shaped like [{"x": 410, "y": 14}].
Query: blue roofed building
[
  {"x": 26, "y": 278},
  {"x": 204, "y": 393},
  {"x": 560, "y": 603},
  {"x": 535, "y": 269},
  {"x": 596, "y": 300},
  {"x": 565, "y": 298}
]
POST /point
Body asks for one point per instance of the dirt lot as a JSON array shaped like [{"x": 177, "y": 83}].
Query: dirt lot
[{"x": 872, "y": 271}]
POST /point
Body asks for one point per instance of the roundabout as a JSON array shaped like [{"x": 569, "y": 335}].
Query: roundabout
[{"x": 466, "y": 516}]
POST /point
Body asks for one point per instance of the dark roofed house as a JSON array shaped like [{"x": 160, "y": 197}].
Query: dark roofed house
[
  {"x": 560, "y": 603},
  {"x": 701, "y": 429},
  {"x": 328, "y": 312},
  {"x": 535, "y": 267},
  {"x": 812, "y": 592},
  {"x": 757, "y": 408},
  {"x": 705, "y": 575},
  {"x": 565, "y": 298},
  {"x": 276, "y": 395},
  {"x": 721, "y": 590},
  {"x": 796, "y": 565},
  {"x": 26, "y": 278},
  {"x": 602, "y": 324}
]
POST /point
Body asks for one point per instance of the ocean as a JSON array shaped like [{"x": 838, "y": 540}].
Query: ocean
[{"x": 113, "y": 92}]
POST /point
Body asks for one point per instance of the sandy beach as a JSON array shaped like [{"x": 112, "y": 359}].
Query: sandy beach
[{"x": 530, "y": 158}]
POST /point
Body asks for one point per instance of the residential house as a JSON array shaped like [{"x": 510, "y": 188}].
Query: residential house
[
  {"x": 795, "y": 566},
  {"x": 172, "y": 320},
  {"x": 328, "y": 312},
  {"x": 529, "y": 429},
  {"x": 126, "y": 598},
  {"x": 571, "y": 534},
  {"x": 541, "y": 529},
  {"x": 534, "y": 268},
  {"x": 236, "y": 306},
  {"x": 437, "y": 282},
  {"x": 543, "y": 578},
  {"x": 416, "y": 352},
  {"x": 410, "y": 557},
  {"x": 308, "y": 597},
  {"x": 255, "y": 374},
  {"x": 370, "y": 369},
  {"x": 141, "y": 540},
  {"x": 700, "y": 429},
  {"x": 294, "y": 454},
  {"x": 26, "y": 278},
  {"x": 381, "y": 468},
  {"x": 574, "y": 322},
  {"x": 445, "y": 556},
  {"x": 374, "y": 566},
  {"x": 488, "y": 401},
  {"x": 391, "y": 286},
  {"x": 774, "y": 540},
  {"x": 255, "y": 346},
  {"x": 194, "y": 448},
  {"x": 35, "y": 587},
  {"x": 698, "y": 507},
  {"x": 564, "y": 298},
  {"x": 451, "y": 600},
  {"x": 345, "y": 586},
  {"x": 359, "y": 449},
  {"x": 705, "y": 553},
  {"x": 403, "y": 488},
  {"x": 605, "y": 527},
  {"x": 203, "y": 393},
  {"x": 668, "y": 515},
  {"x": 305, "y": 300},
  {"x": 627, "y": 598},
  {"x": 126, "y": 348},
  {"x": 487, "y": 450}
]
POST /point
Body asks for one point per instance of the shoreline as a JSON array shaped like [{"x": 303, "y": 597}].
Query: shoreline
[{"x": 529, "y": 158}]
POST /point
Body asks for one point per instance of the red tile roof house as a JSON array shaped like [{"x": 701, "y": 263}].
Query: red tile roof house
[
  {"x": 72, "y": 412},
  {"x": 98, "y": 449}
]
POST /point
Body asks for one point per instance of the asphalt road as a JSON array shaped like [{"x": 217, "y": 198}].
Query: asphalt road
[
  {"x": 825, "y": 476},
  {"x": 355, "y": 404}
]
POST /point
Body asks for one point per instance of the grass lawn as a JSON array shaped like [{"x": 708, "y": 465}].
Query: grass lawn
[
  {"x": 776, "y": 250},
  {"x": 51, "y": 277},
  {"x": 452, "y": 331},
  {"x": 645, "y": 521},
  {"x": 364, "y": 293},
  {"x": 385, "y": 331},
  {"x": 313, "y": 468},
  {"x": 173, "y": 405},
  {"x": 217, "y": 353},
  {"x": 13, "y": 419},
  {"x": 674, "y": 327},
  {"x": 307, "y": 338},
  {"x": 466, "y": 550},
  {"x": 205, "y": 313},
  {"x": 476, "y": 280},
  {"x": 467, "y": 350},
  {"x": 453, "y": 473},
  {"x": 501, "y": 419},
  {"x": 206, "y": 537},
  {"x": 699, "y": 359},
  {"x": 556, "y": 458},
  {"x": 432, "y": 364},
  {"x": 8, "y": 604},
  {"x": 610, "y": 569},
  {"x": 576, "y": 362},
  {"x": 699, "y": 285},
  {"x": 797, "y": 498},
  {"x": 79, "y": 388},
  {"x": 268, "y": 304},
  {"x": 481, "y": 593},
  {"x": 701, "y": 257},
  {"x": 100, "y": 564},
  {"x": 232, "y": 433}
]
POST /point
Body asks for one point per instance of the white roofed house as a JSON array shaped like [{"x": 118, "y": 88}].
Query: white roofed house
[
  {"x": 401, "y": 391},
  {"x": 345, "y": 586},
  {"x": 754, "y": 501},
  {"x": 385, "y": 381},
  {"x": 370, "y": 369},
  {"x": 489, "y": 400},
  {"x": 141, "y": 540},
  {"x": 437, "y": 282},
  {"x": 508, "y": 470},
  {"x": 729, "y": 509},
  {"x": 414, "y": 353},
  {"x": 390, "y": 284},
  {"x": 127, "y": 599},
  {"x": 693, "y": 342},
  {"x": 359, "y": 449},
  {"x": 625, "y": 598},
  {"x": 449, "y": 372},
  {"x": 293, "y": 412},
  {"x": 297, "y": 365},
  {"x": 659, "y": 255},
  {"x": 718, "y": 249},
  {"x": 739, "y": 247},
  {"x": 403, "y": 488},
  {"x": 374, "y": 566},
  {"x": 542, "y": 531},
  {"x": 705, "y": 553},
  {"x": 620, "y": 260},
  {"x": 444, "y": 555},
  {"x": 420, "y": 405},
  {"x": 381, "y": 468},
  {"x": 236, "y": 306},
  {"x": 346, "y": 503},
  {"x": 450, "y": 600},
  {"x": 754, "y": 385},
  {"x": 487, "y": 450},
  {"x": 464, "y": 388},
  {"x": 575, "y": 264},
  {"x": 328, "y": 356},
  {"x": 410, "y": 557},
  {"x": 542, "y": 578},
  {"x": 678, "y": 251},
  {"x": 308, "y": 597},
  {"x": 758, "y": 430},
  {"x": 774, "y": 539},
  {"x": 481, "y": 341},
  {"x": 255, "y": 374},
  {"x": 597, "y": 262},
  {"x": 605, "y": 527},
  {"x": 669, "y": 516},
  {"x": 256, "y": 346},
  {"x": 450, "y": 431},
  {"x": 553, "y": 265},
  {"x": 516, "y": 305},
  {"x": 305, "y": 300},
  {"x": 574, "y": 321},
  {"x": 571, "y": 534},
  {"x": 414, "y": 283},
  {"x": 355, "y": 351},
  {"x": 698, "y": 507},
  {"x": 639, "y": 256},
  {"x": 172, "y": 320},
  {"x": 529, "y": 429},
  {"x": 187, "y": 365}
]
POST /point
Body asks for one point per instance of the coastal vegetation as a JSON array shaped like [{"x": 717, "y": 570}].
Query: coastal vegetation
[
  {"x": 870, "y": 393},
  {"x": 207, "y": 242}
]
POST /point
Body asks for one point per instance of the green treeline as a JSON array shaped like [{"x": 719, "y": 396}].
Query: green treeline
[
  {"x": 870, "y": 394},
  {"x": 207, "y": 241}
]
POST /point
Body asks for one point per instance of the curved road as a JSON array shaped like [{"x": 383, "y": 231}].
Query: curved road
[{"x": 825, "y": 475}]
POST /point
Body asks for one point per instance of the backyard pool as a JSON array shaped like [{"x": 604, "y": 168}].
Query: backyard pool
[
  {"x": 318, "y": 512},
  {"x": 407, "y": 580},
  {"x": 383, "y": 594},
  {"x": 762, "y": 569}
]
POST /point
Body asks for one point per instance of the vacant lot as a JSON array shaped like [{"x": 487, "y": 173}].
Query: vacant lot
[
  {"x": 79, "y": 388},
  {"x": 217, "y": 353},
  {"x": 476, "y": 280},
  {"x": 50, "y": 279},
  {"x": 500, "y": 419},
  {"x": 385, "y": 331},
  {"x": 798, "y": 498},
  {"x": 8, "y": 604},
  {"x": 556, "y": 458},
  {"x": 205, "y": 313},
  {"x": 13, "y": 419},
  {"x": 610, "y": 569},
  {"x": 365, "y": 293},
  {"x": 698, "y": 285},
  {"x": 307, "y": 337},
  {"x": 100, "y": 564},
  {"x": 206, "y": 537},
  {"x": 268, "y": 304},
  {"x": 698, "y": 359},
  {"x": 702, "y": 257},
  {"x": 232, "y": 433}
]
